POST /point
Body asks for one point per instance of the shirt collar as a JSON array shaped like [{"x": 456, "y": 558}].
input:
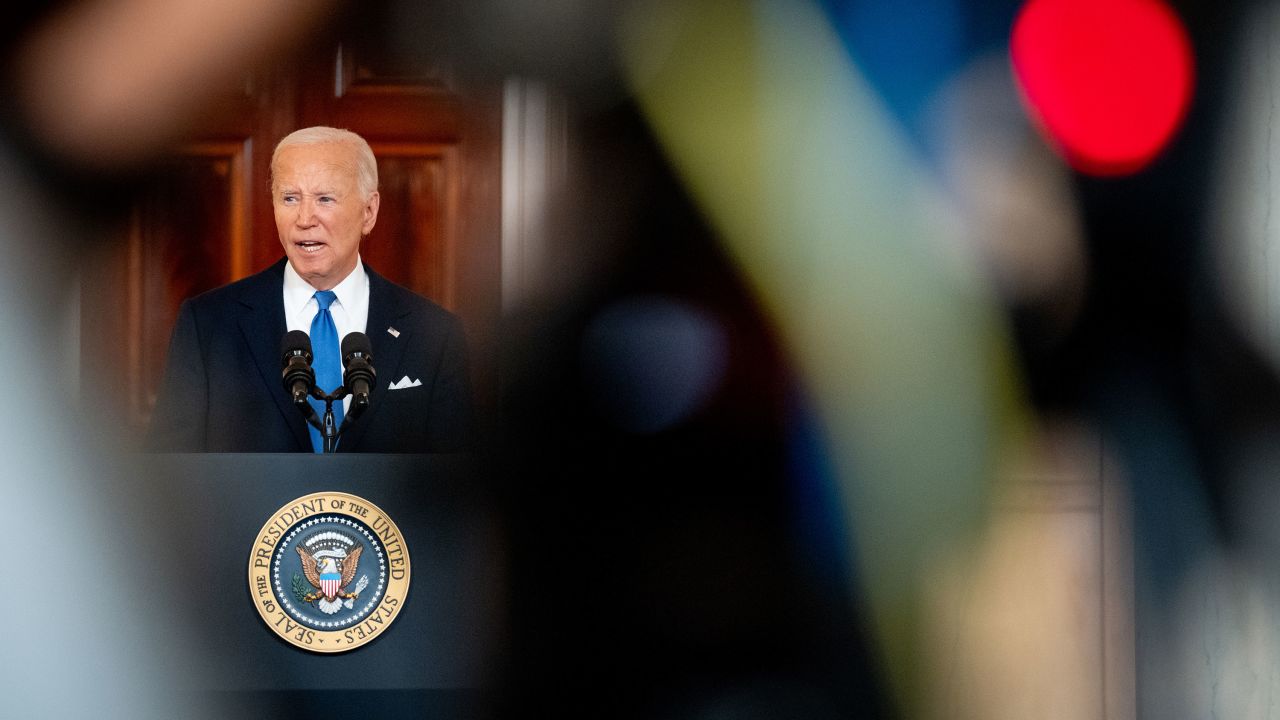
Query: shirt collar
[{"x": 298, "y": 292}]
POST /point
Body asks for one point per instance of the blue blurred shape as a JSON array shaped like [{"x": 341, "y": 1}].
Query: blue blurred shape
[
  {"x": 906, "y": 50},
  {"x": 652, "y": 361}
]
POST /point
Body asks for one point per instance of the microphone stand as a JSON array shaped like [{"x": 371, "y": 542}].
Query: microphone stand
[{"x": 328, "y": 428}]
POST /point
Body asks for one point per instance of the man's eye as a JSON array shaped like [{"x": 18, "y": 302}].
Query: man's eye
[
  {"x": 326, "y": 199},
  {"x": 289, "y": 199}
]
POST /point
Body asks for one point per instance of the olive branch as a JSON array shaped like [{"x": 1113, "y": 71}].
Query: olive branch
[{"x": 302, "y": 590}]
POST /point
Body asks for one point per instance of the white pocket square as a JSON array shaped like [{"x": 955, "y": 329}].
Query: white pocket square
[{"x": 404, "y": 382}]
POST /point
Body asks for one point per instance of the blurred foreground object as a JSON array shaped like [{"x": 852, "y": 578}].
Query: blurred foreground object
[
  {"x": 96, "y": 88},
  {"x": 1110, "y": 80},
  {"x": 108, "y": 83},
  {"x": 1038, "y": 619},
  {"x": 840, "y": 233},
  {"x": 97, "y": 636}
]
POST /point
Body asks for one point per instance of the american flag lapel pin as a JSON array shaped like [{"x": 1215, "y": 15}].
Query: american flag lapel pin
[{"x": 393, "y": 332}]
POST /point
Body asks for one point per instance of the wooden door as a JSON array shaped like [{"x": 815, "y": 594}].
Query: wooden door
[{"x": 205, "y": 219}]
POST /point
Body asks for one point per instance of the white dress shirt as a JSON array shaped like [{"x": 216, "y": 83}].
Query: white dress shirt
[{"x": 350, "y": 310}]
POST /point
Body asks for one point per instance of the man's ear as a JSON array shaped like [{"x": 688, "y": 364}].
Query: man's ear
[{"x": 370, "y": 213}]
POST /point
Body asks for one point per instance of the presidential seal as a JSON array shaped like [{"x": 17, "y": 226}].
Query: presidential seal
[{"x": 329, "y": 572}]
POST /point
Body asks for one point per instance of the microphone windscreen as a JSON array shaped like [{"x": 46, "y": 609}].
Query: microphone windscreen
[
  {"x": 295, "y": 341},
  {"x": 357, "y": 342}
]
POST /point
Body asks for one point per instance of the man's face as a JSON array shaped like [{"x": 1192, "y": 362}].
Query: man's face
[{"x": 320, "y": 213}]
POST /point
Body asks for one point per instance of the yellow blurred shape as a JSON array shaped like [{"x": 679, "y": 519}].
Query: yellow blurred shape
[
  {"x": 1037, "y": 620},
  {"x": 842, "y": 234}
]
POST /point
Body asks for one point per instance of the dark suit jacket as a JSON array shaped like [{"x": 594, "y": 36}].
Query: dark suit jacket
[{"x": 222, "y": 389}]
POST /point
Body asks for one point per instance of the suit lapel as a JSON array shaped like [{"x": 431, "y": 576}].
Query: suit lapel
[
  {"x": 388, "y": 351},
  {"x": 262, "y": 323}
]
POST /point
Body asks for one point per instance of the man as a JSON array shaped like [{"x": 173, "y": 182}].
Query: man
[{"x": 222, "y": 389}]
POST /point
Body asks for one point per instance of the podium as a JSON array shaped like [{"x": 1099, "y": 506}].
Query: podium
[{"x": 438, "y": 658}]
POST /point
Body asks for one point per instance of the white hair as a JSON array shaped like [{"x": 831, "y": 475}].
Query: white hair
[{"x": 366, "y": 163}]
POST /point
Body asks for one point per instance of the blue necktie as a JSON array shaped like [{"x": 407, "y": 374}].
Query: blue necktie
[{"x": 327, "y": 363}]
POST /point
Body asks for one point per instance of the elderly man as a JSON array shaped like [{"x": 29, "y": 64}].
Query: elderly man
[{"x": 222, "y": 389}]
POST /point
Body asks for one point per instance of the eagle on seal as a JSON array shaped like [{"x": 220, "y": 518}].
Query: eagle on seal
[{"x": 329, "y": 573}]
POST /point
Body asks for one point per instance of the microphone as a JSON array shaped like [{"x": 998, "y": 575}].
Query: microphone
[
  {"x": 296, "y": 373},
  {"x": 358, "y": 374}
]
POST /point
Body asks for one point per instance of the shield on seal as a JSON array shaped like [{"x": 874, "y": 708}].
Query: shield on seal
[
  {"x": 330, "y": 572},
  {"x": 329, "y": 584}
]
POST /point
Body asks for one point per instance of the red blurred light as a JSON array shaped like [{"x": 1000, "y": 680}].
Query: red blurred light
[{"x": 1109, "y": 80}]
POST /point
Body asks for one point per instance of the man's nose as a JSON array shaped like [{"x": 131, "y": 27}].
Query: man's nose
[{"x": 306, "y": 213}]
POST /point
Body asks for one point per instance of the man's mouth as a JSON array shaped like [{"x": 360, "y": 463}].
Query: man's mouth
[{"x": 309, "y": 246}]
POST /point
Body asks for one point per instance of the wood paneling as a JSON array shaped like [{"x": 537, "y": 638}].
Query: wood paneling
[
  {"x": 415, "y": 242},
  {"x": 188, "y": 235}
]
